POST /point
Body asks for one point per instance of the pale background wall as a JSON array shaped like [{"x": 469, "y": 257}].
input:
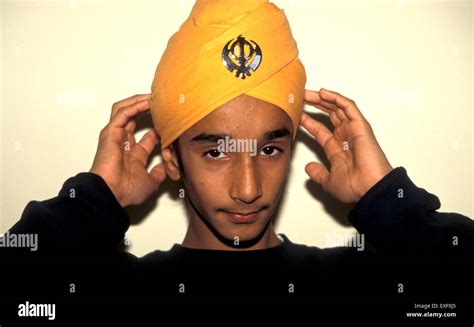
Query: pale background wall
[{"x": 407, "y": 64}]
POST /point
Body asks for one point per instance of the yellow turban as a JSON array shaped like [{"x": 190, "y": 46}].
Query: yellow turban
[{"x": 226, "y": 48}]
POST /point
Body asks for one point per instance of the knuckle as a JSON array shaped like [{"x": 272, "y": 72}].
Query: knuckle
[
  {"x": 119, "y": 112},
  {"x": 369, "y": 127},
  {"x": 123, "y": 113},
  {"x": 115, "y": 106},
  {"x": 112, "y": 133},
  {"x": 105, "y": 131}
]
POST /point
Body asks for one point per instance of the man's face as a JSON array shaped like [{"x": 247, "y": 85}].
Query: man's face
[{"x": 236, "y": 192}]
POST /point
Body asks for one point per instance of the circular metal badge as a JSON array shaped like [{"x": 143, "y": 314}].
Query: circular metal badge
[{"x": 242, "y": 56}]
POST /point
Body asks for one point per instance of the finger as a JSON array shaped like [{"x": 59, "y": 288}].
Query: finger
[
  {"x": 316, "y": 128},
  {"x": 317, "y": 173},
  {"x": 323, "y": 136},
  {"x": 131, "y": 125},
  {"x": 341, "y": 115},
  {"x": 313, "y": 98},
  {"x": 347, "y": 105},
  {"x": 158, "y": 174},
  {"x": 124, "y": 115},
  {"x": 149, "y": 141},
  {"x": 334, "y": 119},
  {"x": 324, "y": 106},
  {"x": 131, "y": 139},
  {"x": 128, "y": 102}
]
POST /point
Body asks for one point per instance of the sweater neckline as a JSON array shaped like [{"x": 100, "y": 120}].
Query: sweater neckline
[{"x": 178, "y": 248}]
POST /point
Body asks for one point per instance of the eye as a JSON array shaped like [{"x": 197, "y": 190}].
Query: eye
[
  {"x": 271, "y": 151},
  {"x": 214, "y": 154}
]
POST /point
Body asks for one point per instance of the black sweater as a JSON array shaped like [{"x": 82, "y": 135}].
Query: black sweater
[{"x": 415, "y": 250}]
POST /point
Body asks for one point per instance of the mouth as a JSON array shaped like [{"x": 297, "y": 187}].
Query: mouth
[{"x": 242, "y": 217}]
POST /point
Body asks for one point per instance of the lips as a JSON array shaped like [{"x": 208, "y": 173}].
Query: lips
[{"x": 242, "y": 217}]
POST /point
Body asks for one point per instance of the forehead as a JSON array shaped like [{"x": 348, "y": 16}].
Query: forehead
[{"x": 243, "y": 116}]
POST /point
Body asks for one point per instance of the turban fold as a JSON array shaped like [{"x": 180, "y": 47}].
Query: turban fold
[{"x": 226, "y": 48}]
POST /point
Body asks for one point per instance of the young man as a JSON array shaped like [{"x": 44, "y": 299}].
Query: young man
[{"x": 231, "y": 74}]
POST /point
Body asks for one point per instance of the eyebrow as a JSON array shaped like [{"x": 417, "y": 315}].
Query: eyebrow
[
  {"x": 282, "y": 132},
  {"x": 214, "y": 138}
]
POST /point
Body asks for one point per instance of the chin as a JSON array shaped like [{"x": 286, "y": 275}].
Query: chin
[{"x": 244, "y": 232}]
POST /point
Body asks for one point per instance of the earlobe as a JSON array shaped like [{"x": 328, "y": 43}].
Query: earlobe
[{"x": 170, "y": 161}]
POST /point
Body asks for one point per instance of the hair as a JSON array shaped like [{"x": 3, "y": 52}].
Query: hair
[{"x": 175, "y": 148}]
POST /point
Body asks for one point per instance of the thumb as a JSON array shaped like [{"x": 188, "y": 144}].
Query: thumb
[
  {"x": 317, "y": 172},
  {"x": 158, "y": 174}
]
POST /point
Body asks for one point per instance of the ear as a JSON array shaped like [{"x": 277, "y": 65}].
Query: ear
[{"x": 170, "y": 161}]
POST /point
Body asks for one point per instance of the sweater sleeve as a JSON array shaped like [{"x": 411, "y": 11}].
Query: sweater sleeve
[
  {"x": 399, "y": 218},
  {"x": 84, "y": 216}
]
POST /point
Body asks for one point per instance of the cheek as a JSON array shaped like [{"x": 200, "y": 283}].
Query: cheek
[
  {"x": 273, "y": 182},
  {"x": 205, "y": 188},
  {"x": 273, "y": 174}
]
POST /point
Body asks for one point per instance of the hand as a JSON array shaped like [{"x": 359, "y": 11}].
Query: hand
[
  {"x": 120, "y": 161},
  {"x": 356, "y": 159}
]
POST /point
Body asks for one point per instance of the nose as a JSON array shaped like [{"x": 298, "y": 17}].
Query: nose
[{"x": 246, "y": 187}]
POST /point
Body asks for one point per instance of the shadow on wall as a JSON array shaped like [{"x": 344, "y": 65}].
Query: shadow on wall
[{"x": 335, "y": 209}]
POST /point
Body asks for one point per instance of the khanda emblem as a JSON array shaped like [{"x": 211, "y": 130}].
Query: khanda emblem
[{"x": 242, "y": 56}]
